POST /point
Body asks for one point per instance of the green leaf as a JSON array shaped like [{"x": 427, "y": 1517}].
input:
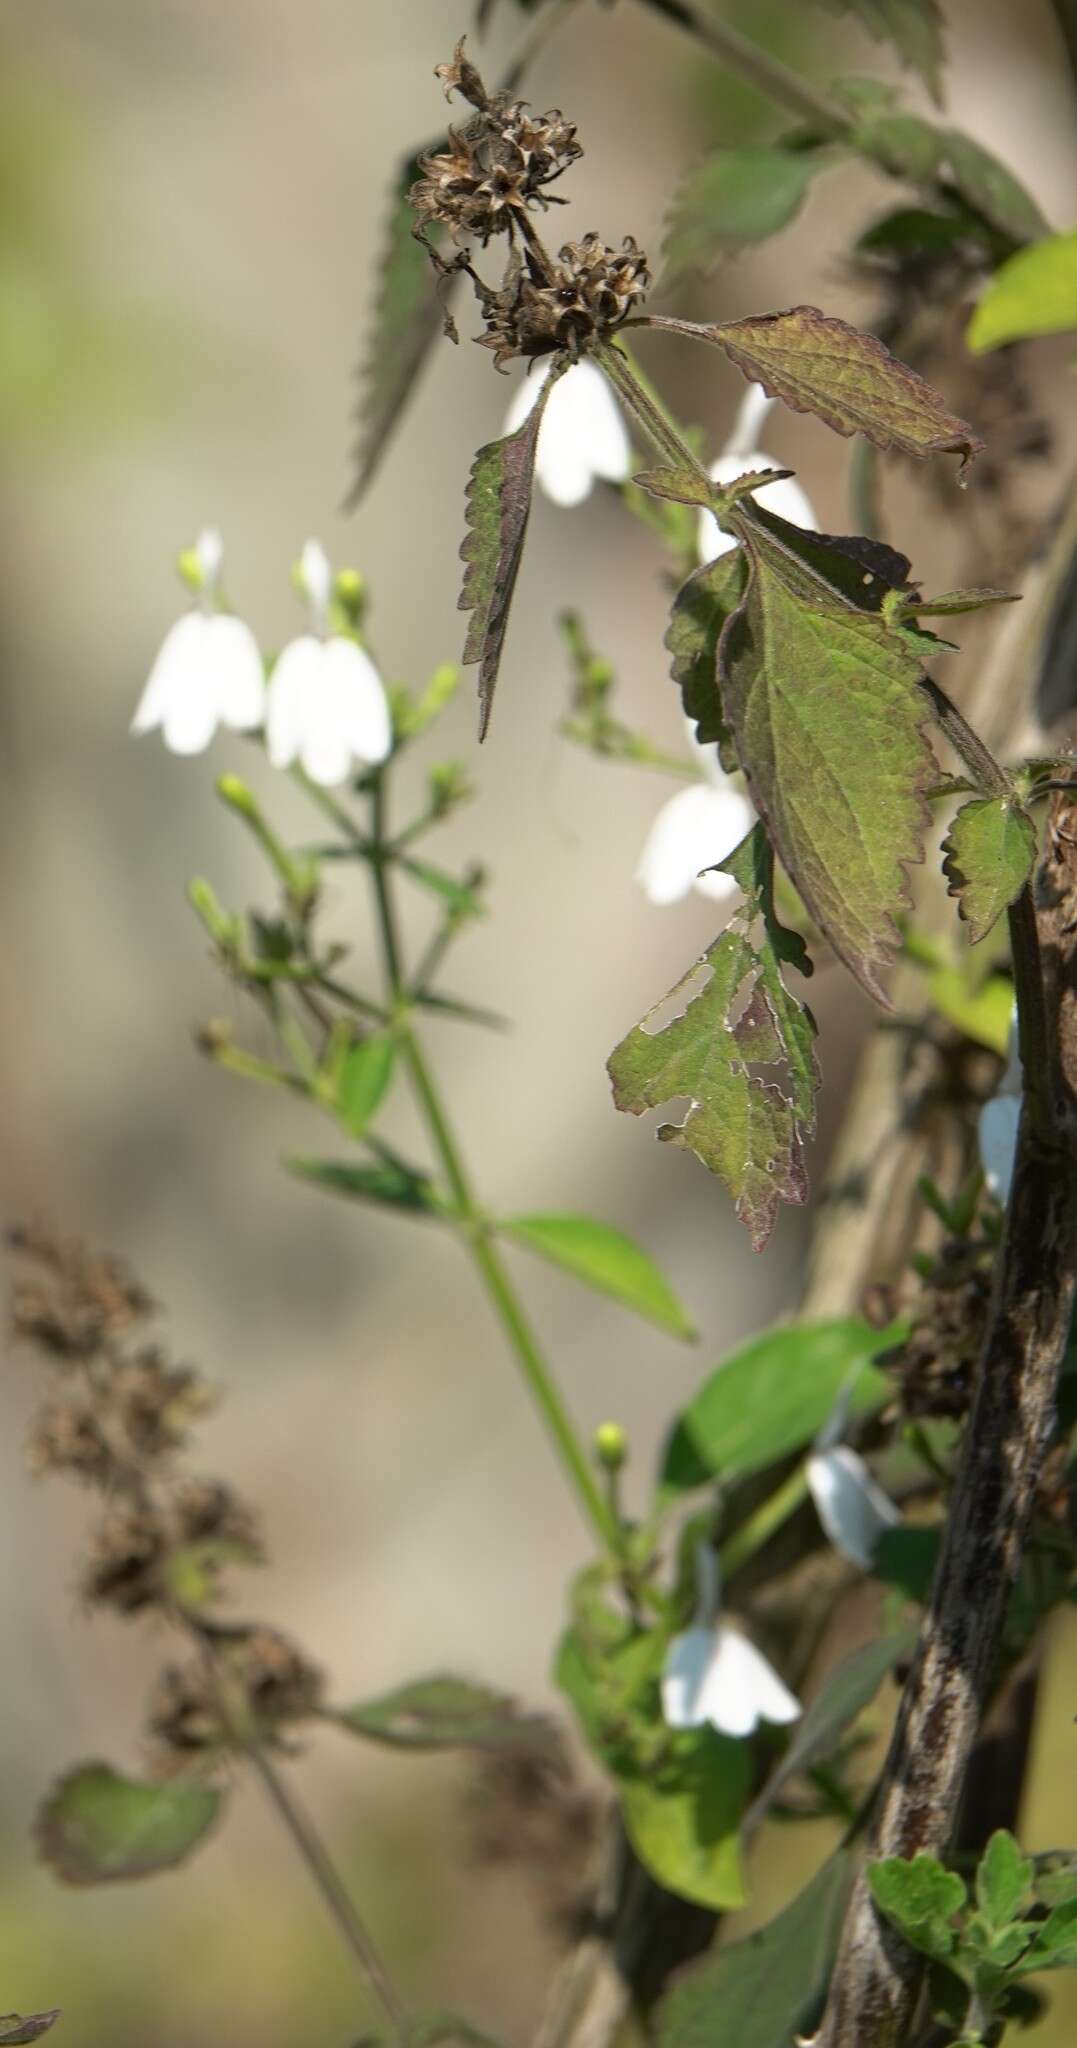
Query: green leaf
[
  {"x": 906, "y": 1558},
  {"x": 408, "y": 317},
  {"x": 14, "y": 2028},
  {"x": 467, "y": 1013},
  {"x": 683, "y": 1818},
  {"x": 735, "y": 197},
  {"x": 851, "y": 1687},
  {"x": 848, "y": 379},
  {"x": 498, "y": 505},
  {"x": 984, "y": 1014},
  {"x": 700, "y": 611},
  {"x": 399, "y": 1186},
  {"x": 989, "y": 854},
  {"x": 764, "y": 1991},
  {"x": 920, "y": 1897},
  {"x": 366, "y": 1074},
  {"x": 992, "y": 189},
  {"x": 1055, "y": 1876},
  {"x": 444, "y": 1713},
  {"x": 952, "y": 602},
  {"x": 912, "y": 27},
  {"x": 1055, "y": 1943},
  {"x": 462, "y": 897},
  {"x": 826, "y": 708},
  {"x": 747, "y": 1130},
  {"x": 97, "y": 1827},
  {"x": 604, "y": 1259},
  {"x": 773, "y": 1395},
  {"x": 1003, "y": 1881},
  {"x": 903, "y": 144},
  {"x": 1035, "y": 292}
]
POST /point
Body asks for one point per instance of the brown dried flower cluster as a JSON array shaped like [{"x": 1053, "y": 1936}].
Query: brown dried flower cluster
[
  {"x": 488, "y": 182},
  {"x": 935, "y": 1367}
]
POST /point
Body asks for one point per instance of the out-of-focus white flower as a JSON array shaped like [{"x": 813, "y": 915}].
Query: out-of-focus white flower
[
  {"x": 693, "y": 829},
  {"x": 714, "y": 1675},
  {"x": 738, "y": 458},
  {"x": 208, "y": 670},
  {"x": 997, "y": 1129},
  {"x": 327, "y": 706},
  {"x": 851, "y": 1505},
  {"x": 582, "y": 435}
]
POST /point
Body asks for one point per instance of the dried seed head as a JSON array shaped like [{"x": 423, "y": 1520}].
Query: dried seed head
[
  {"x": 67, "y": 1438},
  {"x": 156, "y": 1403},
  {"x": 461, "y": 76},
  {"x": 496, "y": 168},
  {"x": 125, "y": 1566},
  {"x": 206, "y": 1511},
  {"x": 80, "y": 1304},
  {"x": 936, "y": 1365},
  {"x": 585, "y": 296},
  {"x": 279, "y": 1684},
  {"x": 183, "y": 1714}
]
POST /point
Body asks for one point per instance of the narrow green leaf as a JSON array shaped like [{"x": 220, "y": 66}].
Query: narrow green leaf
[
  {"x": 462, "y": 898},
  {"x": 14, "y": 2028},
  {"x": 992, "y": 189},
  {"x": 1035, "y": 292},
  {"x": 97, "y": 1827},
  {"x": 851, "y": 1687},
  {"x": 848, "y": 379},
  {"x": 989, "y": 854},
  {"x": 468, "y": 1013},
  {"x": 1003, "y": 1881},
  {"x": 408, "y": 317},
  {"x": 903, "y": 144},
  {"x": 680, "y": 486},
  {"x": 1055, "y": 1944},
  {"x": 498, "y": 505},
  {"x": 1055, "y": 1876},
  {"x": 763, "y": 1992},
  {"x": 920, "y": 1897},
  {"x": 735, "y": 197},
  {"x": 604, "y": 1259},
  {"x": 912, "y": 27},
  {"x": 398, "y": 1186},
  {"x": 773, "y": 1394},
  {"x": 683, "y": 1818},
  {"x": 954, "y": 601},
  {"x": 444, "y": 1713},
  {"x": 366, "y": 1074}
]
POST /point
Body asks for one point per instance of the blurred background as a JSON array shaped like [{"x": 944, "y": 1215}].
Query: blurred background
[{"x": 191, "y": 197}]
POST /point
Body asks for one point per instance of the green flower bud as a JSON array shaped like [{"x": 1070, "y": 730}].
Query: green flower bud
[
  {"x": 610, "y": 1446},
  {"x": 238, "y": 795}
]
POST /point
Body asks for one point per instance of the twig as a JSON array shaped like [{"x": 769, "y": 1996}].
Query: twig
[{"x": 756, "y": 66}]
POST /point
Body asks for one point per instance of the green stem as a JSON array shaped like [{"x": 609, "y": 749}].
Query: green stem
[
  {"x": 756, "y": 66},
  {"x": 762, "y": 1524},
  {"x": 648, "y": 410}
]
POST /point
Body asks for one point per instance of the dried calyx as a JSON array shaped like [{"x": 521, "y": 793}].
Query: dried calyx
[{"x": 488, "y": 182}]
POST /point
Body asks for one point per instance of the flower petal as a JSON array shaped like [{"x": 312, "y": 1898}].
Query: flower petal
[
  {"x": 525, "y": 398},
  {"x": 209, "y": 554},
  {"x": 582, "y": 436},
  {"x": 688, "y": 1661},
  {"x": 316, "y": 577},
  {"x": 851, "y": 1505},
  {"x": 291, "y": 686},
  {"x": 693, "y": 829},
  {"x": 597, "y": 420},
  {"x": 741, "y": 1688},
  {"x": 189, "y": 702},
  {"x": 357, "y": 700},
  {"x": 785, "y": 498},
  {"x": 997, "y": 1133},
  {"x": 166, "y": 675},
  {"x": 751, "y": 413},
  {"x": 239, "y": 678}
]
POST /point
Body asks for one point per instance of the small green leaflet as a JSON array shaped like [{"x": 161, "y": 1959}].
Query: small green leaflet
[
  {"x": 1003, "y": 1881},
  {"x": 445, "y": 1713},
  {"x": 735, "y": 197},
  {"x": 407, "y": 319},
  {"x": 990, "y": 853},
  {"x": 991, "y": 188},
  {"x": 848, "y": 1690},
  {"x": 393, "y": 1183},
  {"x": 748, "y": 1131},
  {"x": 952, "y": 602},
  {"x": 921, "y": 1898},
  {"x": 682, "y": 1818},
  {"x": 903, "y": 144},
  {"x": 365, "y": 1076},
  {"x": 764, "y": 1991},
  {"x": 604, "y": 1259},
  {"x": 1034, "y": 293},
  {"x": 912, "y": 27},
  {"x": 97, "y": 1827},
  {"x": 498, "y": 505}
]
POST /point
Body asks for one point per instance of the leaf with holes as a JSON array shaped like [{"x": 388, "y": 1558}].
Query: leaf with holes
[
  {"x": 912, "y": 27},
  {"x": 445, "y": 1713},
  {"x": 732, "y": 199},
  {"x": 498, "y": 505},
  {"x": 1034, "y": 293},
  {"x": 827, "y": 714},
  {"x": 848, "y": 379},
  {"x": 408, "y": 317},
  {"x": 990, "y": 853},
  {"x": 746, "y": 1129},
  {"x": 97, "y": 1827}
]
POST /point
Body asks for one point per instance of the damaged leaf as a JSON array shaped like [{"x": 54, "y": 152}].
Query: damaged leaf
[
  {"x": 700, "y": 611},
  {"x": 498, "y": 505},
  {"x": 445, "y": 1713},
  {"x": 990, "y": 853}
]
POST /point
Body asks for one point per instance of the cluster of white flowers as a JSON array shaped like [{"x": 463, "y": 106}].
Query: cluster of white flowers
[{"x": 323, "y": 706}]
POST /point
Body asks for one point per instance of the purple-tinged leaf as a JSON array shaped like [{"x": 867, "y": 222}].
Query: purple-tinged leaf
[
  {"x": 408, "y": 317},
  {"x": 498, "y": 505},
  {"x": 990, "y": 853},
  {"x": 14, "y": 2028}
]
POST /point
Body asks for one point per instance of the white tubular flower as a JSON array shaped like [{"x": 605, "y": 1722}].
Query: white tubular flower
[
  {"x": 327, "y": 706},
  {"x": 695, "y": 828},
  {"x": 208, "y": 670},
  {"x": 714, "y": 1676},
  {"x": 851, "y": 1505},
  {"x": 997, "y": 1129},
  {"x": 582, "y": 435},
  {"x": 738, "y": 458}
]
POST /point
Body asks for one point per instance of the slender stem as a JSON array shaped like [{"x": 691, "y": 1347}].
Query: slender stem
[
  {"x": 978, "y": 758},
  {"x": 654, "y": 420},
  {"x": 334, "y": 1892},
  {"x": 756, "y": 66},
  {"x": 762, "y": 1523}
]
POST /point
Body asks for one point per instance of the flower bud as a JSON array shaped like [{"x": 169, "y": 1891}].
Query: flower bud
[{"x": 610, "y": 1446}]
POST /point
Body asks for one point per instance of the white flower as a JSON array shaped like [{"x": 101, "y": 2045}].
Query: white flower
[
  {"x": 695, "y": 828},
  {"x": 738, "y": 458},
  {"x": 582, "y": 435},
  {"x": 327, "y": 706},
  {"x": 208, "y": 671},
  {"x": 997, "y": 1129},
  {"x": 714, "y": 1675},
  {"x": 851, "y": 1505}
]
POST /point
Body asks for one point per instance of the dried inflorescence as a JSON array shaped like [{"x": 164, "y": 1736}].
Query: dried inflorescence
[
  {"x": 274, "y": 1681},
  {"x": 528, "y": 1807},
  {"x": 935, "y": 1367},
  {"x": 489, "y": 181}
]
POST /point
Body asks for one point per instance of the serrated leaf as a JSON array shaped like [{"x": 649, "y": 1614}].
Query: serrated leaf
[
  {"x": 912, "y": 27},
  {"x": 97, "y": 1827},
  {"x": 1055, "y": 1944},
  {"x": 747, "y": 1130},
  {"x": 364, "y": 1079},
  {"x": 903, "y": 144},
  {"x": 683, "y": 1818},
  {"x": 396, "y": 1185},
  {"x": 732, "y": 199},
  {"x": 851, "y": 1687},
  {"x": 762, "y": 1992},
  {"x": 605, "y": 1259},
  {"x": 847, "y": 378},
  {"x": 920, "y": 1897},
  {"x": 772, "y": 1395},
  {"x": 989, "y": 854},
  {"x": 700, "y": 611},
  {"x": 14, "y": 2028},
  {"x": 1035, "y": 292},
  {"x": 1055, "y": 1876},
  {"x": 407, "y": 319},
  {"x": 498, "y": 504},
  {"x": 992, "y": 189},
  {"x": 827, "y": 714},
  {"x": 444, "y": 1713},
  {"x": 1003, "y": 1880}
]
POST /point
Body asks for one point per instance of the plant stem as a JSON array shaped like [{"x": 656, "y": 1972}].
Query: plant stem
[
  {"x": 762, "y": 1523},
  {"x": 332, "y": 1888},
  {"x": 756, "y": 66},
  {"x": 651, "y": 415}
]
